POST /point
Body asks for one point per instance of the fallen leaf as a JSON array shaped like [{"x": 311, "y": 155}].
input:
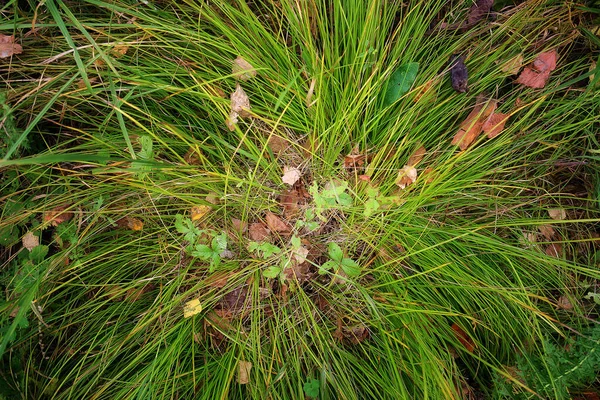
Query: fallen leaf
[
  {"x": 131, "y": 223},
  {"x": 478, "y": 11},
  {"x": 258, "y": 232},
  {"x": 240, "y": 106},
  {"x": 416, "y": 157},
  {"x": 213, "y": 198},
  {"x": 8, "y": 47},
  {"x": 355, "y": 159},
  {"x": 536, "y": 74},
  {"x": 277, "y": 144},
  {"x": 554, "y": 250},
  {"x": 57, "y": 215},
  {"x": 564, "y": 303},
  {"x": 547, "y": 231},
  {"x": 472, "y": 126},
  {"x": 300, "y": 254},
  {"x": 406, "y": 176},
  {"x": 242, "y": 69},
  {"x": 239, "y": 225},
  {"x": 290, "y": 175},
  {"x": 193, "y": 156},
  {"x": 30, "y": 241},
  {"x": 244, "y": 368},
  {"x": 513, "y": 65},
  {"x": 459, "y": 74},
  {"x": 494, "y": 125},
  {"x": 119, "y": 50},
  {"x": 400, "y": 82},
  {"x": 191, "y": 308},
  {"x": 276, "y": 224},
  {"x": 557, "y": 213},
  {"x": 197, "y": 212},
  {"x": 290, "y": 200},
  {"x": 463, "y": 338}
]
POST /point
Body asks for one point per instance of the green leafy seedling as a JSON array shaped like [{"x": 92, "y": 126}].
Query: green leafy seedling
[
  {"x": 213, "y": 252},
  {"x": 311, "y": 387},
  {"x": 332, "y": 196},
  {"x": 187, "y": 227},
  {"x": 400, "y": 82},
  {"x": 263, "y": 250},
  {"x": 348, "y": 265}
]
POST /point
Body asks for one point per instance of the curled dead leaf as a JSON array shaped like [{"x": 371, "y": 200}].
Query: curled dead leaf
[
  {"x": 244, "y": 368},
  {"x": 463, "y": 338},
  {"x": 472, "y": 126},
  {"x": 547, "y": 231},
  {"x": 130, "y": 223},
  {"x": 406, "y": 176},
  {"x": 242, "y": 69},
  {"x": 240, "y": 107},
  {"x": 554, "y": 250},
  {"x": 30, "y": 241},
  {"x": 8, "y": 47},
  {"x": 258, "y": 232},
  {"x": 494, "y": 125},
  {"x": 564, "y": 303},
  {"x": 57, "y": 215},
  {"x": 119, "y": 50},
  {"x": 290, "y": 175},
  {"x": 557, "y": 213},
  {"x": 276, "y": 224},
  {"x": 536, "y": 74},
  {"x": 417, "y": 156}
]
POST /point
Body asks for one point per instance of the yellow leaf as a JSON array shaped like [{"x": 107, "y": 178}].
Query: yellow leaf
[
  {"x": 198, "y": 212},
  {"x": 192, "y": 307}
]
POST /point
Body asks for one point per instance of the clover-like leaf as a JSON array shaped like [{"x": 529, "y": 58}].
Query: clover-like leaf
[
  {"x": 311, "y": 387},
  {"x": 327, "y": 266}
]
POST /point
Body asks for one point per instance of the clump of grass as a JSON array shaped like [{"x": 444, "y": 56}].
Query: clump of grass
[{"x": 127, "y": 107}]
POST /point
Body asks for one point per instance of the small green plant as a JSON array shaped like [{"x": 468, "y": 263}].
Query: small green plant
[
  {"x": 332, "y": 196},
  {"x": 292, "y": 255},
  {"x": 308, "y": 222},
  {"x": 562, "y": 367},
  {"x": 264, "y": 249},
  {"x": 213, "y": 252},
  {"x": 311, "y": 387},
  {"x": 185, "y": 225},
  {"x": 338, "y": 261}
]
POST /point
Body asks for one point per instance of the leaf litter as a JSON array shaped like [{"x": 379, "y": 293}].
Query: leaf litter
[
  {"x": 240, "y": 107},
  {"x": 536, "y": 74},
  {"x": 8, "y": 47},
  {"x": 242, "y": 69}
]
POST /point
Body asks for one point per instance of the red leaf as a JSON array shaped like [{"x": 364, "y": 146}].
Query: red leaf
[
  {"x": 463, "y": 338},
  {"x": 495, "y": 124},
  {"x": 536, "y": 74}
]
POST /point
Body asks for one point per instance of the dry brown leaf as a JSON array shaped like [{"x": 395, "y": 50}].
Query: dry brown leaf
[
  {"x": 276, "y": 224},
  {"x": 244, "y": 368},
  {"x": 278, "y": 145},
  {"x": 258, "y": 232},
  {"x": 547, "y": 231},
  {"x": 8, "y": 47},
  {"x": 494, "y": 125},
  {"x": 30, "y": 241},
  {"x": 57, "y": 215},
  {"x": 134, "y": 223},
  {"x": 426, "y": 87},
  {"x": 463, "y": 338},
  {"x": 406, "y": 176},
  {"x": 301, "y": 254},
  {"x": 554, "y": 250},
  {"x": 557, "y": 213},
  {"x": 239, "y": 225},
  {"x": 289, "y": 201},
  {"x": 242, "y": 69},
  {"x": 311, "y": 91},
  {"x": 564, "y": 303},
  {"x": 536, "y": 74},
  {"x": 472, "y": 126},
  {"x": 355, "y": 159},
  {"x": 212, "y": 198},
  {"x": 417, "y": 156},
  {"x": 197, "y": 212},
  {"x": 240, "y": 107},
  {"x": 513, "y": 65},
  {"x": 119, "y": 50},
  {"x": 290, "y": 175}
]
